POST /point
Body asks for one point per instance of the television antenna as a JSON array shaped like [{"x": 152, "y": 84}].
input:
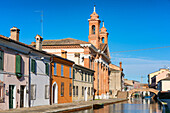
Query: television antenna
[{"x": 42, "y": 14}]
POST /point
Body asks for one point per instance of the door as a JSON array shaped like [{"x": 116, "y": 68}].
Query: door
[
  {"x": 11, "y": 96},
  {"x": 22, "y": 96},
  {"x": 55, "y": 93}
]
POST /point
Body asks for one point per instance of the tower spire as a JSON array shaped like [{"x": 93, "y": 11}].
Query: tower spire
[
  {"x": 94, "y": 8},
  {"x": 103, "y": 23}
]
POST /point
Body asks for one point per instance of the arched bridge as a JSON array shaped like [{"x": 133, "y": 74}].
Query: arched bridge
[{"x": 142, "y": 89}]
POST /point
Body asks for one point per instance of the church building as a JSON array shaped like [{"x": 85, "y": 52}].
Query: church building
[{"x": 93, "y": 54}]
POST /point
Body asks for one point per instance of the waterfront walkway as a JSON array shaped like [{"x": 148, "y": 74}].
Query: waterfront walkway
[{"x": 67, "y": 107}]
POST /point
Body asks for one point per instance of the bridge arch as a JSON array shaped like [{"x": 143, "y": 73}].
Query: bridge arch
[{"x": 142, "y": 89}]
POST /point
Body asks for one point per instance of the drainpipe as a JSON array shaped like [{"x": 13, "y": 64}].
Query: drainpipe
[
  {"x": 50, "y": 78},
  {"x": 98, "y": 79},
  {"x": 73, "y": 81},
  {"x": 29, "y": 83},
  {"x": 93, "y": 86}
]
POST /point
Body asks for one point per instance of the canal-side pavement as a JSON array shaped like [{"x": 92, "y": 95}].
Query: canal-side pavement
[{"x": 67, "y": 107}]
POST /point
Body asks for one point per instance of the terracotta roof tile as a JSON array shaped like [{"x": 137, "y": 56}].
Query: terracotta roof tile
[{"x": 66, "y": 41}]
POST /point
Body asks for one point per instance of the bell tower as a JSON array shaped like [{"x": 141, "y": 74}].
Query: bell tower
[
  {"x": 94, "y": 26},
  {"x": 103, "y": 35}
]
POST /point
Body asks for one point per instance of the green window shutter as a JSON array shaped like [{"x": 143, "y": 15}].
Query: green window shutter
[
  {"x": 33, "y": 66},
  {"x": 1, "y": 60},
  {"x": 18, "y": 64},
  {"x": 47, "y": 68}
]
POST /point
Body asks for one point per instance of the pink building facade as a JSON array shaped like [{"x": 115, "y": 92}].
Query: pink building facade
[
  {"x": 14, "y": 73},
  {"x": 162, "y": 76}
]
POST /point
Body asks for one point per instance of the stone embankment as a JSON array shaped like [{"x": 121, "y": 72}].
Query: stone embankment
[
  {"x": 122, "y": 94},
  {"x": 67, "y": 107}
]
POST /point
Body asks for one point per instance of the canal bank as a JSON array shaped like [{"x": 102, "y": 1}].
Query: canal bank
[{"x": 67, "y": 107}]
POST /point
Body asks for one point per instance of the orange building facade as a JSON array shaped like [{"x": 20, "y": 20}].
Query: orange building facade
[{"x": 61, "y": 89}]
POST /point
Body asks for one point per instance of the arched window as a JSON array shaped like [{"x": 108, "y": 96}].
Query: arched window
[
  {"x": 102, "y": 39},
  {"x": 93, "y": 29}
]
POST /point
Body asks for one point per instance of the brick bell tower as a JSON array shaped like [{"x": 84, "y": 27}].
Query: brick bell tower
[
  {"x": 94, "y": 26},
  {"x": 103, "y": 35}
]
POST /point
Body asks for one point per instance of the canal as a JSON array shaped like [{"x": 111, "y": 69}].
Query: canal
[{"x": 136, "y": 105}]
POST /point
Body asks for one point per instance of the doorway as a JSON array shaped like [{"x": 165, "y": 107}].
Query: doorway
[
  {"x": 11, "y": 96},
  {"x": 55, "y": 93},
  {"x": 22, "y": 95}
]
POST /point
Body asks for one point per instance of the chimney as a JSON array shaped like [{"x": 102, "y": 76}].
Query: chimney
[
  {"x": 120, "y": 66},
  {"x": 15, "y": 33},
  {"x": 38, "y": 39},
  {"x": 63, "y": 54},
  {"x": 77, "y": 58}
]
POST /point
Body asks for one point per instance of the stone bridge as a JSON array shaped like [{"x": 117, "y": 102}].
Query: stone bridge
[{"x": 142, "y": 89}]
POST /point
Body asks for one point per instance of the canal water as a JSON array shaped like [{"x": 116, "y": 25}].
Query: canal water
[{"x": 136, "y": 105}]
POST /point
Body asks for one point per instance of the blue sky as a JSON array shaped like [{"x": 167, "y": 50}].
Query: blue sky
[{"x": 132, "y": 24}]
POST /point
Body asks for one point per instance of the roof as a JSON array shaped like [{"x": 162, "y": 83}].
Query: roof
[
  {"x": 162, "y": 69},
  {"x": 167, "y": 78},
  {"x": 128, "y": 84},
  {"x": 112, "y": 66},
  {"x": 66, "y": 41},
  {"x": 28, "y": 46},
  {"x": 80, "y": 66},
  {"x": 22, "y": 44},
  {"x": 38, "y": 36}
]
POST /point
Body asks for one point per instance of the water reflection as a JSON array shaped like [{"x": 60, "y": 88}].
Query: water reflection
[{"x": 131, "y": 106}]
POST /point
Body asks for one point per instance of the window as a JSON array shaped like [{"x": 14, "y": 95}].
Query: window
[
  {"x": 82, "y": 76},
  {"x": 70, "y": 73},
  {"x": 76, "y": 90},
  {"x": 1, "y": 92},
  {"x": 82, "y": 91},
  {"x": 62, "y": 70},
  {"x": 85, "y": 77},
  {"x": 77, "y": 58},
  {"x": 33, "y": 92},
  {"x": 1, "y": 60},
  {"x": 47, "y": 92},
  {"x": 110, "y": 92},
  {"x": 93, "y": 64},
  {"x": 89, "y": 91},
  {"x": 102, "y": 39},
  {"x": 70, "y": 89},
  {"x": 62, "y": 88},
  {"x": 18, "y": 66},
  {"x": 47, "y": 68},
  {"x": 73, "y": 73},
  {"x": 88, "y": 78},
  {"x": 33, "y": 66},
  {"x": 93, "y": 29},
  {"x": 89, "y": 63},
  {"x": 55, "y": 69},
  {"x": 91, "y": 78}
]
